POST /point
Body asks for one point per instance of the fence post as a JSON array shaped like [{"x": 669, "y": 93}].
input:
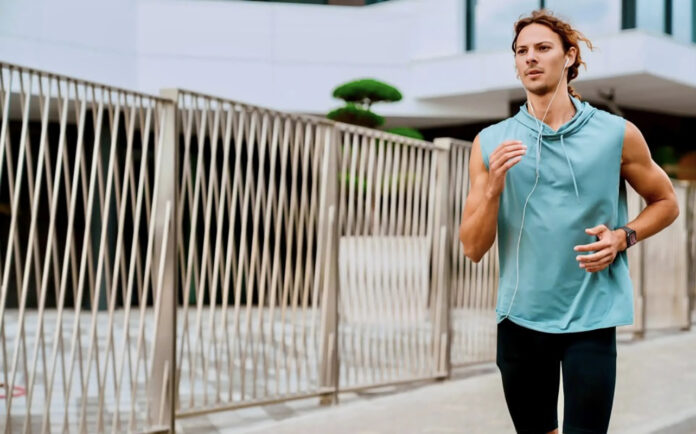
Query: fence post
[
  {"x": 687, "y": 211},
  {"x": 690, "y": 210},
  {"x": 161, "y": 390},
  {"x": 327, "y": 246},
  {"x": 440, "y": 283},
  {"x": 636, "y": 260}
]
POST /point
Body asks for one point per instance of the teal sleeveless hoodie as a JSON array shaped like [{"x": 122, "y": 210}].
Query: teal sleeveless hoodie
[{"x": 541, "y": 285}]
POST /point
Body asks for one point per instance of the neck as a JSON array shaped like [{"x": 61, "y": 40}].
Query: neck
[{"x": 560, "y": 111}]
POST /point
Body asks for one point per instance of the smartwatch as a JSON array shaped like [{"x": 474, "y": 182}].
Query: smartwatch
[{"x": 630, "y": 236}]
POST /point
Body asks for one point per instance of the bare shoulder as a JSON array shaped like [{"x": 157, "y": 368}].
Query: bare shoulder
[
  {"x": 635, "y": 148},
  {"x": 476, "y": 163},
  {"x": 639, "y": 169}
]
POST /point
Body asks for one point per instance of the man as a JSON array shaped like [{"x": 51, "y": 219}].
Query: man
[{"x": 549, "y": 180}]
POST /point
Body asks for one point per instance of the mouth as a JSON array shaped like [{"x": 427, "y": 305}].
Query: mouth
[{"x": 534, "y": 73}]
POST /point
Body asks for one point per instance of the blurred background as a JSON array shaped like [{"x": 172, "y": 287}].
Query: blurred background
[
  {"x": 451, "y": 59},
  {"x": 213, "y": 213}
]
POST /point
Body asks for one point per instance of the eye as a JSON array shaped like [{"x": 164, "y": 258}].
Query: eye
[
  {"x": 544, "y": 48},
  {"x": 521, "y": 51}
]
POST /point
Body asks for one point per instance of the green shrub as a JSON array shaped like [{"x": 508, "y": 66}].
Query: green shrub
[
  {"x": 354, "y": 115},
  {"x": 367, "y": 91},
  {"x": 406, "y": 132}
]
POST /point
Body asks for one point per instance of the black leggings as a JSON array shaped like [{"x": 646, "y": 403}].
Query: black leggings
[{"x": 529, "y": 363}]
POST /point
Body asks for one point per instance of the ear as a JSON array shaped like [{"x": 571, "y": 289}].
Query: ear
[{"x": 571, "y": 55}]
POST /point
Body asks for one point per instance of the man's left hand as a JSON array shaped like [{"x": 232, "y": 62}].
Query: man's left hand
[{"x": 608, "y": 245}]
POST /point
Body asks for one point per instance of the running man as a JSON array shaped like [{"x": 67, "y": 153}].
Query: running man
[{"x": 549, "y": 180}]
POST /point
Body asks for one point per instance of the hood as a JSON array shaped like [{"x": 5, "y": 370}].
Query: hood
[{"x": 583, "y": 113}]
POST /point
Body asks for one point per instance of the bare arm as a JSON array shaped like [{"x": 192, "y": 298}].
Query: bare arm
[
  {"x": 479, "y": 219},
  {"x": 653, "y": 184}
]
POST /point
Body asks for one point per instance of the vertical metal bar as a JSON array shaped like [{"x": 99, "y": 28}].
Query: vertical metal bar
[
  {"x": 690, "y": 210},
  {"x": 217, "y": 260},
  {"x": 11, "y": 239},
  {"x": 69, "y": 247},
  {"x": 125, "y": 342},
  {"x": 45, "y": 274},
  {"x": 643, "y": 314},
  {"x": 164, "y": 349},
  {"x": 328, "y": 236},
  {"x": 440, "y": 284}
]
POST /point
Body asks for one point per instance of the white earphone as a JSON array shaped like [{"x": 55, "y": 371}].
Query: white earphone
[{"x": 540, "y": 125}]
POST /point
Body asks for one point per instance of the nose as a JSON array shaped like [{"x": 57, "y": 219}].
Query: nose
[{"x": 531, "y": 56}]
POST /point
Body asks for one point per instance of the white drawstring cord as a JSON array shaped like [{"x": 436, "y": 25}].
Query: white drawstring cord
[
  {"x": 540, "y": 125},
  {"x": 570, "y": 167}
]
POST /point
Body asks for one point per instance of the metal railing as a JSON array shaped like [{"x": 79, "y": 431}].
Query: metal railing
[
  {"x": 82, "y": 259},
  {"x": 171, "y": 256},
  {"x": 474, "y": 286},
  {"x": 663, "y": 267},
  {"x": 392, "y": 307},
  {"x": 250, "y": 255}
]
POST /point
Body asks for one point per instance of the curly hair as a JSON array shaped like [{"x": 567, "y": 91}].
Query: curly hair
[{"x": 569, "y": 36}]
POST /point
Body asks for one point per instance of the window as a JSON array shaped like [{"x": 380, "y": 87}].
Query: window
[
  {"x": 673, "y": 17},
  {"x": 592, "y": 17},
  {"x": 683, "y": 17},
  {"x": 650, "y": 15},
  {"x": 493, "y": 20}
]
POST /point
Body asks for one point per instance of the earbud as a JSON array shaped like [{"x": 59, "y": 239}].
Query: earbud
[{"x": 566, "y": 62}]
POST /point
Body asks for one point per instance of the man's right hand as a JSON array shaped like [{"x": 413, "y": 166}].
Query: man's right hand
[{"x": 506, "y": 155}]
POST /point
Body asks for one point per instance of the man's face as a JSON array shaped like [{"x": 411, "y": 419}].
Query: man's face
[{"x": 539, "y": 58}]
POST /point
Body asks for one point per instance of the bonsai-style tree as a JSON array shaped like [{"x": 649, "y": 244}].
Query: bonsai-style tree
[{"x": 359, "y": 95}]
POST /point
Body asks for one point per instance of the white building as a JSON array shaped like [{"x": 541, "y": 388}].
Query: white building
[{"x": 450, "y": 58}]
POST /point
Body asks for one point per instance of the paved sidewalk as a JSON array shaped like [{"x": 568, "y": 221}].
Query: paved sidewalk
[{"x": 655, "y": 393}]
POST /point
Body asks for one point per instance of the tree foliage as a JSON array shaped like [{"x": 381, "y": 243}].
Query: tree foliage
[
  {"x": 407, "y": 132},
  {"x": 366, "y": 92}
]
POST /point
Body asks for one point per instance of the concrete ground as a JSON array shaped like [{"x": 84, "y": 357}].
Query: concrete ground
[{"x": 655, "y": 393}]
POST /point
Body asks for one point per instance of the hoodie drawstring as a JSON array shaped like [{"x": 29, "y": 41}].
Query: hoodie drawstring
[{"x": 570, "y": 166}]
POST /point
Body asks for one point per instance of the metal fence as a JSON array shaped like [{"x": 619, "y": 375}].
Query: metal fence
[
  {"x": 251, "y": 254},
  {"x": 170, "y": 256},
  {"x": 82, "y": 258},
  {"x": 663, "y": 267},
  {"x": 473, "y": 285},
  {"x": 392, "y": 304},
  {"x": 278, "y": 210}
]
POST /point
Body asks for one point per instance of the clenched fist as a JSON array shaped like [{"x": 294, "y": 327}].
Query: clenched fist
[{"x": 506, "y": 155}]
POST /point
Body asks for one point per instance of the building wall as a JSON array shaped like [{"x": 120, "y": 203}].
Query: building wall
[
  {"x": 86, "y": 39},
  {"x": 291, "y": 56}
]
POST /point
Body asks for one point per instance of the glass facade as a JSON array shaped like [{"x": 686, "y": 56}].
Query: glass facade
[
  {"x": 493, "y": 21},
  {"x": 489, "y": 22},
  {"x": 684, "y": 20},
  {"x": 650, "y": 15},
  {"x": 592, "y": 17},
  {"x": 672, "y": 17},
  {"x": 326, "y": 2}
]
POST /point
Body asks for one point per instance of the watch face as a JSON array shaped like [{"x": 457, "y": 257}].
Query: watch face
[{"x": 632, "y": 238}]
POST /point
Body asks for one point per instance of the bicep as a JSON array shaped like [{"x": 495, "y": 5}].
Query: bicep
[{"x": 639, "y": 169}]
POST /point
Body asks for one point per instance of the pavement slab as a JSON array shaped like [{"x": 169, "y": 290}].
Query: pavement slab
[{"x": 655, "y": 393}]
